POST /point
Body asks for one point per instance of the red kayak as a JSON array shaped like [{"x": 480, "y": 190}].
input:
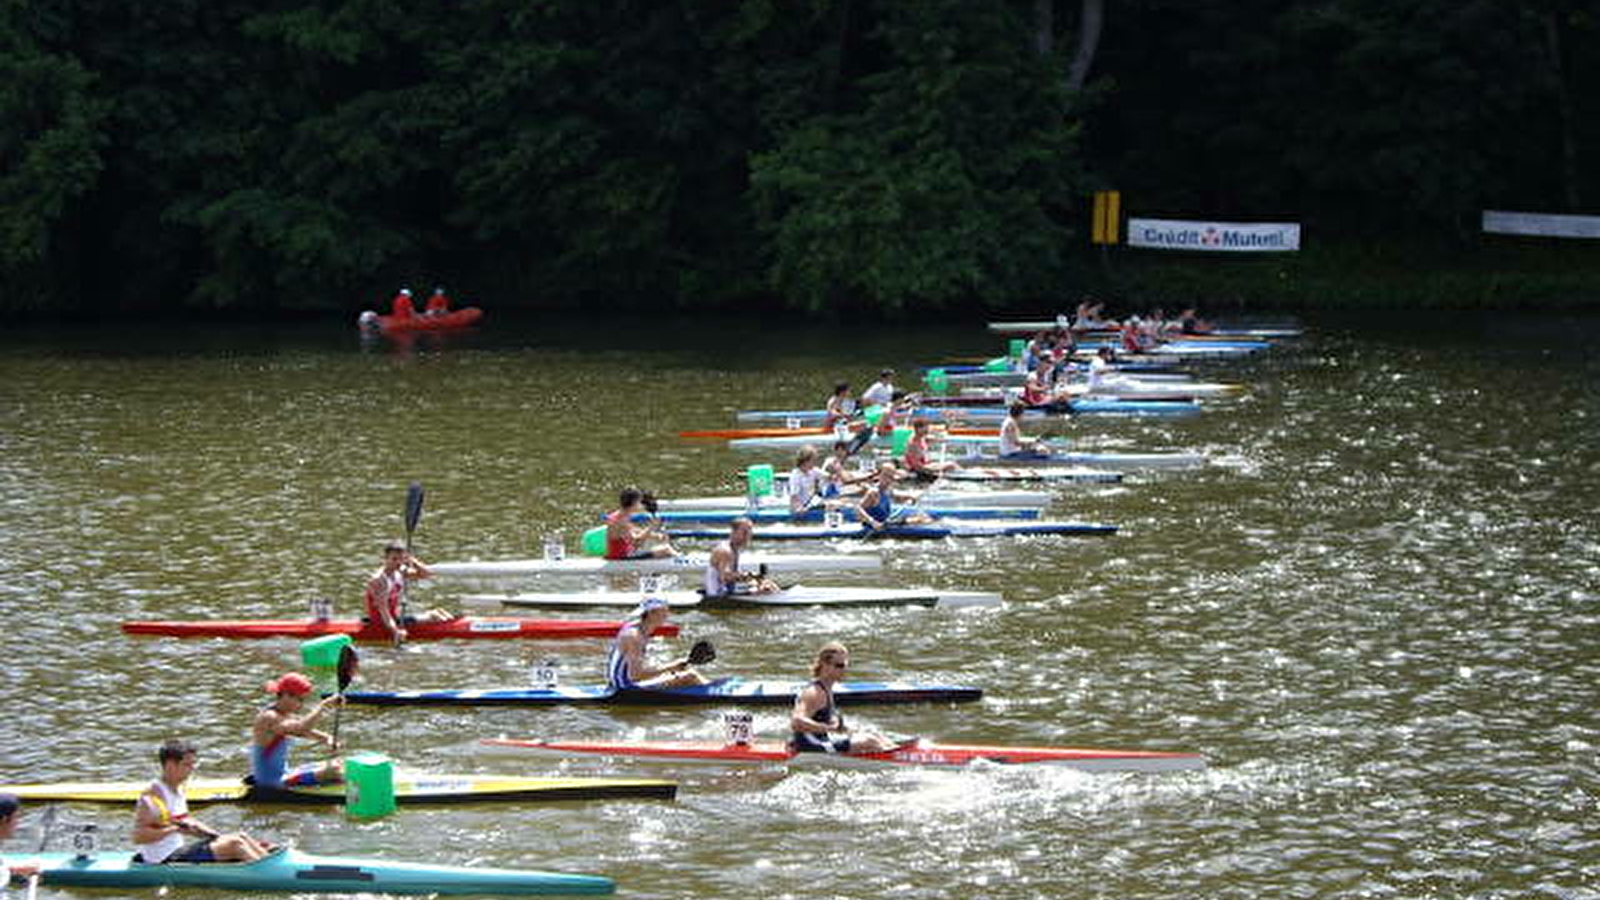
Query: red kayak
[
  {"x": 469, "y": 627},
  {"x": 917, "y": 752},
  {"x": 446, "y": 321}
]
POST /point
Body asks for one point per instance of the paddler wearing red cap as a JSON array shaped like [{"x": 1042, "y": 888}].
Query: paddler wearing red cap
[{"x": 283, "y": 720}]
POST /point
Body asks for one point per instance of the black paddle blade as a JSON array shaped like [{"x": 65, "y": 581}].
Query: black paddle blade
[
  {"x": 701, "y": 653},
  {"x": 413, "y": 506},
  {"x": 348, "y": 664}
]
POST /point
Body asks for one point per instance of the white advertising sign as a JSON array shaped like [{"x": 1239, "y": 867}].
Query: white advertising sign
[
  {"x": 1225, "y": 237},
  {"x": 1500, "y": 222}
]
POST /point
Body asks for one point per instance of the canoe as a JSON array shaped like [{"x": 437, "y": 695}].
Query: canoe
[
  {"x": 691, "y": 562},
  {"x": 798, "y": 595},
  {"x": 410, "y": 788},
  {"x": 726, "y": 690},
  {"x": 929, "y": 531},
  {"x": 457, "y": 318},
  {"x": 919, "y": 752},
  {"x": 291, "y": 870},
  {"x": 937, "y": 498},
  {"x": 847, "y": 511},
  {"x": 466, "y": 627}
]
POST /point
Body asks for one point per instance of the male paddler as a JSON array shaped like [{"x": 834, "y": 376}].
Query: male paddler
[
  {"x": 626, "y": 540},
  {"x": 627, "y": 665},
  {"x": 10, "y": 818},
  {"x": 386, "y": 593},
  {"x": 722, "y": 568},
  {"x": 285, "y": 719},
  {"x": 161, "y": 819},
  {"x": 816, "y": 723}
]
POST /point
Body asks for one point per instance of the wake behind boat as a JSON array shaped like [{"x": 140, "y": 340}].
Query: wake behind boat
[
  {"x": 291, "y": 870},
  {"x": 409, "y": 789},
  {"x": 689, "y": 562},
  {"x": 725, "y": 690},
  {"x": 797, "y": 596},
  {"x": 463, "y": 627},
  {"x": 919, "y": 752}
]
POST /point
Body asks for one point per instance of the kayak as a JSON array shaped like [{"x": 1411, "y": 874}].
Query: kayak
[
  {"x": 1179, "y": 405},
  {"x": 978, "y": 461},
  {"x": 593, "y": 565},
  {"x": 819, "y": 434},
  {"x": 1075, "y": 474},
  {"x": 930, "y": 530},
  {"x": 725, "y": 690},
  {"x": 936, "y": 498},
  {"x": 847, "y": 511},
  {"x": 456, "y": 318},
  {"x": 291, "y": 870},
  {"x": 918, "y": 752},
  {"x": 797, "y": 595},
  {"x": 791, "y": 443},
  {"x": 1013, "y": 473},
  {"x": 474, "y": 627},
  {"x": 409, "y": 789},
  {"x": 998, "y": 412},
  {"x": 1241, "y": 331}
]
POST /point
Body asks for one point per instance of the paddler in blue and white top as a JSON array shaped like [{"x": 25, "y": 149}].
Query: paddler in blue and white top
[
  {"x": 276, "y": 726},
  {"x": 816, "y": 723},
  {"x": 161, "y": 819},
  {"x": 722, "y": 568},
  {"x": 628, "y": 666},
  {"x": 10, "y": 818},
  {"x": 876, "y": 509}
]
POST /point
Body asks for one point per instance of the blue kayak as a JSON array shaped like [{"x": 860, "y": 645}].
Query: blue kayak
[
  {"x": 725, "y": 690},
  {"x": 930, "y": 530},
  {"x": 1098, "y": 407},
  {"x": 291, "y": 870},
  {"x": 782, "y": 514}
]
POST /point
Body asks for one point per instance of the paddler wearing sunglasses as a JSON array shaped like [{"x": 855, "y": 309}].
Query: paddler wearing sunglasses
[{"x": 816, "y": 722}]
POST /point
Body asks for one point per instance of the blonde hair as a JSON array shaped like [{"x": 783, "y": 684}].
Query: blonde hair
[{"x": 826, "y": 654}]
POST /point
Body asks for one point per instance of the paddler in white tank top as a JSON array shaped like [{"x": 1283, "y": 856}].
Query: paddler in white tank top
[
  {"x": 722, "y": 569},
  {"x": 161, "y": 819},
  {"x": 805, "y": 481}
]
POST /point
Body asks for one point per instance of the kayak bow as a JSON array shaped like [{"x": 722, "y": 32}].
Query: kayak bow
[{"x": 465, "y": 627}]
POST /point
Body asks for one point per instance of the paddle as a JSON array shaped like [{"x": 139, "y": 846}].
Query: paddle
[
  {"x": 348, "y": 663},
  {"x": 45, "y": 824},
  {"x": 701, "y": 653},
  {"x": 414, "y": 495}
]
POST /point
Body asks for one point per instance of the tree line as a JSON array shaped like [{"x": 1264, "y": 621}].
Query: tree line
[{"x": 820, "y": 154}]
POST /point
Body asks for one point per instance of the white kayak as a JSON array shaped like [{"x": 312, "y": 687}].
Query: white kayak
[
  {"x": 692, "y": 562},
  {"x": 797, "y": 595},
  {"x": 957, "y": 498}
]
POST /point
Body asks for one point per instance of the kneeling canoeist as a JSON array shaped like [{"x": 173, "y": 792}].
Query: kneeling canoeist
[
  {"x": 626, "y": 540},
  {"x": 722, "y": 568},
  {"x": 876, "y": 507},
  {"x": 386, "y": 592},
  {"x": 161, "y": 819},
  {"x": 627, "y": 667},
  {"x": 276, "y": 726},
  {"x": 10, "y": 818},
  {"x": 817, "y": 725},
  {"x": 1012, "y": 444}
]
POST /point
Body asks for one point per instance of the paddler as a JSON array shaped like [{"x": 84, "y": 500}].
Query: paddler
[
  {"x": 722, "y": 568},
  {"x": 10, "y": 818},
  {"x": 817, "y": 725},
  {"x": 841, "y": 407},
  {"x": 880, "y": 392},
  {"x": 875, "y": 509},
  {"x": 161, "y": 819},
  {"x": 1012, "y": 444},
  {"x": 283, "y": 720},
  {"x": 916, "y": 456},
  {"x": 628, "y": 666},
  {"x": 806, "y": 481},
  {"x": 836, "y": 471},
  {"x": 386, "y": 593},
  {"x": 402, "y": 307},
  {"x": 438, "y": 304},
  {"x": 626, "y": 540}
]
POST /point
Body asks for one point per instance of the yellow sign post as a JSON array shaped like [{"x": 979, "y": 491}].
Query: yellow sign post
[{"x": 1107, "y": 227}]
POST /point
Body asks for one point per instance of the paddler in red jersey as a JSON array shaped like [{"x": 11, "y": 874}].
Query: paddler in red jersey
[
  {"x": 401, "y": 308},
  {"x": 386, "y": 593},
  {"x": 917, "y": 459},
  {"x": 626, "y": 540},
  {"x": 438, "y": 304},
  {"x": 161, "y": 819},
  {"x": 816, "y": 723}
]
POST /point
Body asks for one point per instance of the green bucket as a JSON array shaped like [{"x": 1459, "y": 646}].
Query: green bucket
[
  {"x": 368, "y": 785},
  {"x": 902, "y": 437},
  {"x": 759, "y": 480},
  {"x": 594, "y": 541},
  {"x": 873, "y": 415},
  {"x": 321, "y": 659},
  {"x": 937, "y": 381},
  {"x": 1017, "y": 348}
]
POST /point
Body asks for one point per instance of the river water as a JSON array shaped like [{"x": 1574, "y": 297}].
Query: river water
[{"x": 1374, "y": 611}]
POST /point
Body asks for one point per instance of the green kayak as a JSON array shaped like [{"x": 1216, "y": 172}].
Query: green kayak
[{"x": 291, "y": 870}]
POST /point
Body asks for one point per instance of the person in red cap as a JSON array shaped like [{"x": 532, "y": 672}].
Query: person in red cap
[{"x": 275, "y": 726}]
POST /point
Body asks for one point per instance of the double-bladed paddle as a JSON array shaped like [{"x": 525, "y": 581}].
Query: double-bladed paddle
[{"x": 348, "y": 663}]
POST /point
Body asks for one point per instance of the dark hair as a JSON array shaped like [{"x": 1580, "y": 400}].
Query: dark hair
[
  {"x": 1017, "y": 409},
  {"x": 9, "y": 804},
  {"x": 648, "y": 501},
  {"x": 629, "y": 496},
  {"x": 175, "y": 749},
  {"x": 841, "y": 387}
]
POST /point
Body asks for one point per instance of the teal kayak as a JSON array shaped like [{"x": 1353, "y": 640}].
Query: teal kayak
[{"x": 291, "y": 870}]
